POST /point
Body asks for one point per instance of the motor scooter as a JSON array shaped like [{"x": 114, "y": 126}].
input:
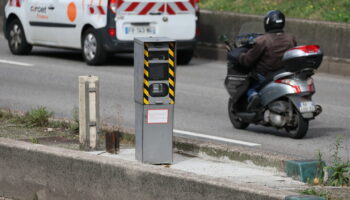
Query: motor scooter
[{"x": 285, "y": 97}]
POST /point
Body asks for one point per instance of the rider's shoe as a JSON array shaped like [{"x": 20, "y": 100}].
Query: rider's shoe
[{"x": 254, "y": 102}]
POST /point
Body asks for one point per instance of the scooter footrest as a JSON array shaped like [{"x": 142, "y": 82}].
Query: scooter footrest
[{"x": 248, "y": 117}]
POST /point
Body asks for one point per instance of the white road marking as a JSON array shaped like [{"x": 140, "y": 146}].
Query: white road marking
[
  {"x": 15, "y": 63},
  {"x": 199, "y": 135}
]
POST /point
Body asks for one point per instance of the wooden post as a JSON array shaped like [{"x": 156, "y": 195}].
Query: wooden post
[{"x": 89, "y": 114}]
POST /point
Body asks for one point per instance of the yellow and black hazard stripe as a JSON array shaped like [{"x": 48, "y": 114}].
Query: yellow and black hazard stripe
[
  {"x": 146, "y": 76},
  {"x": 171, "y": 60}
]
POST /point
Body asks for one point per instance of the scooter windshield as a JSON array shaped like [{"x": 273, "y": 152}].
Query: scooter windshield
[
  {"x": 248, "y": 33},
  {"x": 252, "y": 27}
]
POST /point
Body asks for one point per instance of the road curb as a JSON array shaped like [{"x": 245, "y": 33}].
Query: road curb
[
  {"x": 219, "y": 151},
  {"x": 234, "y": 153},
  {"x": 55, "y": 173},
  {"x": 294, "y": 167}
]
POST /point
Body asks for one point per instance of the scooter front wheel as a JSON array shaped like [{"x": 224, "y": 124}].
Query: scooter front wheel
[
  {"x": 236, "y": 121},
  {"x": 300, "y": 126}
]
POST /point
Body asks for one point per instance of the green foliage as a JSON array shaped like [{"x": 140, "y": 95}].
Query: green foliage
[
  {"x": 74, "y": 126},
  {"x": 127, "y": 138},
  {"x": 75, "y": 114},
  {"x": 320, "y": 166},
  {"x": 339, "y": 170},
  {"x": 58, "y": 124},
  {"x": 311, "y": 191},
  {"x": 329, "y": 10},
  {"x": 34, "y": 140},
  {"x": 37, "y": 117},
  {"x": 5, "y": 115},
  {"x": 338, "y": 177}
]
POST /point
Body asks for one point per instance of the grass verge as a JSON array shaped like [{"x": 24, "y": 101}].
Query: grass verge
[
  {"x": 313, "y": 192},
  {"x": 328, "y": 10}
]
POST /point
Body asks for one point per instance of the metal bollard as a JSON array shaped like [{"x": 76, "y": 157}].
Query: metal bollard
[{"x": 89, "y": 113}]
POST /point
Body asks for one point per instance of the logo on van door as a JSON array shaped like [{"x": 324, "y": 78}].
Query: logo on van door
[{"x": 41, "y": 11}]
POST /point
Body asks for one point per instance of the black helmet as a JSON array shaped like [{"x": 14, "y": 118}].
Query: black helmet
[{"x": 274, "y": 20}]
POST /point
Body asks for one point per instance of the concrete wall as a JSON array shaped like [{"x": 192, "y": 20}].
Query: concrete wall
[
  {"x": 2, "y": 5},
  {"x": 332, "y": 37},
  {"x": 29, "y": 170}
]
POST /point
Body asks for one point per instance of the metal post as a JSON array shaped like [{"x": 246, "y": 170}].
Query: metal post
[
  {"x": 89, "y": 114},
  {"x": 112, "y": 142}
]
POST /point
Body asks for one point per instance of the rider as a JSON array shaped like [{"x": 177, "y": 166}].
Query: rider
[{"x": 266, "y": 55}]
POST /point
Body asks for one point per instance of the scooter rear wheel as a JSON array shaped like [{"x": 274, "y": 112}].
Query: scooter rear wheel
[
  {"x": 236, "y": 121},
  {"x": 300, "y": 127}
]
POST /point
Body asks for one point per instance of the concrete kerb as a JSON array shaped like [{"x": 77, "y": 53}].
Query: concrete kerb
[
  {"x": 228, "y": 152},
  {"x": 218, "y": 151},
  {"x": 305, "y": 170},
  {"x": 210, "y": 150},
  {"x": 55, "y": 173}
]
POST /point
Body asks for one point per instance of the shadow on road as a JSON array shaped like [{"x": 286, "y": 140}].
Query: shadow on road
[
  {"x": 325, "y": 131},
  {"x": 121, "y": 59},
  {"x": 118, "y": 59},
  {"x": 314, "y": 132}
]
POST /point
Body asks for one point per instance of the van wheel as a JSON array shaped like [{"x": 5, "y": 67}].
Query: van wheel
[
  {"x": 17, "y": 40},
  {"x": 184, "y": 57},
  {"x": 93, "y": 51}
]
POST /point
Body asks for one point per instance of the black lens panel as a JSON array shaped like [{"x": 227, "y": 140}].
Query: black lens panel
[{"x": 158, "y": 71}]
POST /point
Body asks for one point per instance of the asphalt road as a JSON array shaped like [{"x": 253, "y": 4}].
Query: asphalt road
[{"x": 50, "y": 78}]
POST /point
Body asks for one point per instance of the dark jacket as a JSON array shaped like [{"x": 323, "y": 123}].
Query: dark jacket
[{"x": 267, "y": 53}]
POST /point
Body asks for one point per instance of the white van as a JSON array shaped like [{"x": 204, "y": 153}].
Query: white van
[{"x": 99, "y": 27}]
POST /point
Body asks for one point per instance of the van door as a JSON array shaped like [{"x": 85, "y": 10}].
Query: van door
[
  {"x": 175, "y": 19},
  {"x": 68, "y": 18},
  {"x": 41, "y": 14}
]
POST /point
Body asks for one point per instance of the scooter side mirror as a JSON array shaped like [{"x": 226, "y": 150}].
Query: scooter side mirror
[{"x": 224, "y": 38}]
